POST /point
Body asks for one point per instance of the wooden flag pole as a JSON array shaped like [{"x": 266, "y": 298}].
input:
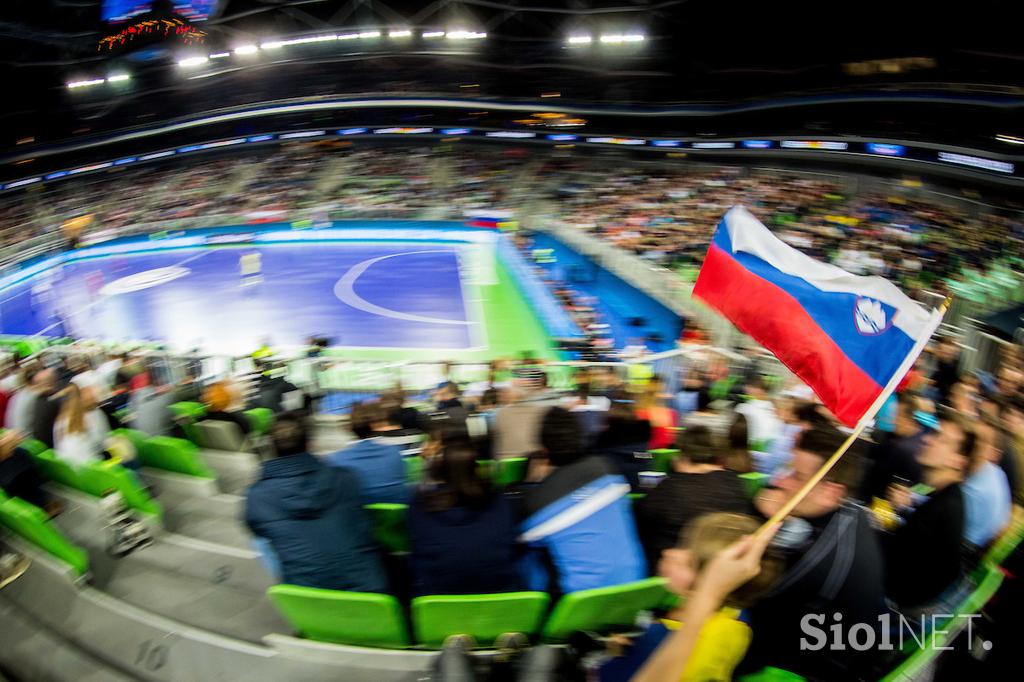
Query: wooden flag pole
[{"x": 814, "y": 480}]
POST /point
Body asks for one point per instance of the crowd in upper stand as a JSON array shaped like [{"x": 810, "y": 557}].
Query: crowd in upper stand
[
  {"x": 895, "y": 527},
  {"x": 664, "y": 212}
]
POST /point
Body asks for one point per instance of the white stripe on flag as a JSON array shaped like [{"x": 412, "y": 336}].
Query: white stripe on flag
[{"x": 749, "y": 235}]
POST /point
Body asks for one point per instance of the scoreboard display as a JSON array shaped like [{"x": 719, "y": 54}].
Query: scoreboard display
[{"x": 120, "y": 11}]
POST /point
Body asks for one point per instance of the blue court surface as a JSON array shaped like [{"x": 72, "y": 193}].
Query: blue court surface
[{"x": 385, "y": 295}]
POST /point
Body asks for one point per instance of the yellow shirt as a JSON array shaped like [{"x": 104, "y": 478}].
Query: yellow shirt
[{"x": 720, "y": 647}]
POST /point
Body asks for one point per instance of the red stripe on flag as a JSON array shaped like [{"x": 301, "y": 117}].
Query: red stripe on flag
[{"x": 778, "y": 322}]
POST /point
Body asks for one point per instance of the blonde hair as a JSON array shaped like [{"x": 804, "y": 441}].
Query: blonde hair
[
  {"x": 72, "y": 410},
  {"x": 709, "y": 534}
]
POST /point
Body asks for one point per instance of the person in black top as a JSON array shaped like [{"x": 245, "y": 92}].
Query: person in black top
[
  {"x": 462, "y": 511},
  {"x": 834, "y": 568},
  {"x": 923, "y": 554},
  {"x": 47, "y": 405},
  {"x": 895, "y": 456},
  {"x": 624, "y": 440},
  {"x": 947, "y": 369},
  {"x": 699, "y": 484}
]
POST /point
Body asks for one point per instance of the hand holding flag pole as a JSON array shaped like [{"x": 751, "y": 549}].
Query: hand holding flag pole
[{"x": 850, "y": 338}]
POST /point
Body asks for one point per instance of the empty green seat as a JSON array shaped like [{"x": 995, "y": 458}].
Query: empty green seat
[
  {"x": 663, "y": 459},
  {"x": 173, "y": 454},
  {"x": 772, "y": 675},
  {"x": 510, "y": 470},
  {"x": 389, "y": 525},
  {"x": 356, "y": 618},
  {"x": 484, "y": 617},
  {"x": 260, "y": 419},
  {"x": 33, "y": 446},
  {"x": 604, "y": 608},
  {"x": 30, "y": 522},
  {"x": 753, "y": 482}
]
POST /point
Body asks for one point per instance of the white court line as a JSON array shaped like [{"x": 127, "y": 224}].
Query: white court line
[
  {"x": 477, "y": 329},
  {"x": 101, "y": 299}
]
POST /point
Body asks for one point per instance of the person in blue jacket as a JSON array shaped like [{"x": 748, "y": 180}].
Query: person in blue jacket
[
  {"x": 312, "y": 517},
  {"x": 577, "y": 523}
]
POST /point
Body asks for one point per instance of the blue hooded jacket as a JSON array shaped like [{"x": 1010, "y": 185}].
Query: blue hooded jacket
[{"x": 313, "y": 518}]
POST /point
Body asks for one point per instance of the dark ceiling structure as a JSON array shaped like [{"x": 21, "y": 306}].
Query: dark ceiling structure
[{"x": 956, "y": 88}]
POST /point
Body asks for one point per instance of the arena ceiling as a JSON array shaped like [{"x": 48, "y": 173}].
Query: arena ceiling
[{"x": 917, "y": 76}]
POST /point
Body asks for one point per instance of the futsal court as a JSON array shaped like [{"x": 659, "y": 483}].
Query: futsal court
[{"x": 368, "y": 298}]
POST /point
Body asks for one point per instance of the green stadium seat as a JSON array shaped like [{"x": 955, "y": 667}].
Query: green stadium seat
[
  {"x": 186, "y": 414},
  {"x": 663, "y": 459},
  {"x": 98, "y": 479},
  {"x": 389, "y": 525},
  {"x": 772, "y": 675},
  {"x": 753, "y": 482},
  {"x": 636, "y": 497},
  {"x": 603, "y": 608},
  {"x": 260, "y": 419},
  {"x": 172, "y": 454},
  {"x": 356, "y": 618},
  {"x": 413, "y": 468},
  {"x": 33, "y": 446},
  {"x": 1001, "y": 548},
  {"x": 30, "y": 522},
  {"x": 484, "y": 617},
  {"x": 510, "y": 470}
]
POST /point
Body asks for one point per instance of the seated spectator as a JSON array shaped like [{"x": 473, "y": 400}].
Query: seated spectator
[
  {"x": 698, "y": 484},
  {"x": 20, "y": 406},
  {"x": 150, "y": 404},
  {"x": 219, "y": 399},
  {"x": 796, "y": 416},
  {"x": 575, "y": 516},
  {"x": 738, "y": 457},
  {"x": 834, "y": 566},
  {"x": 19, "y": 476},
  {"x": 46, "y": 407},
  {"x": 80, "y": 428},
  {"x": 312, "y": 518},
  {"x": 762, "y": 420},
  {"x": 517, "y": 425},
  {"x": 378, "y": 466},
  {"x": 923, "y": 553},
  {"x": 403, "y": 415},
  {"x": 276, "y": 393},
  {"x": 651, "y": 407},
  {"x": 396, "y": 434},
  {"x": 459, "y": 511},
  {"x": 895, "y": 458},
  {"x": 447, "y": 397},
  {"x": 724, "y": 636},
  {"x": 987, "y": 496},
  {"x": 703, "y": 415},
  {"x": 624, "y": 439}
]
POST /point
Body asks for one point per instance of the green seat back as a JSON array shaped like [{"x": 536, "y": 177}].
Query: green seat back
[
  {"x": 484, "y": 617},
  {"x": 413, "y": 468},
  {"x": 753, "y": 482},
  {"x": 1001, "y": 548},
  {"x": 173, "y": 454},
  {"x": 260, "y": 419},
  {"x": 188, "y": 410},
  {"x": 30, "y": 522},
  {"x": 98, "y": 479},
  {"x": 663, "y": 459},
  {"x": 603, "y": 608},
  {"x": 134, "y": 436},
  {"x": 636, "y": 497},
  {"x": 510, "y": 470},
  {"x": 389, "y": 526},
  {"x": 357, "y": 618},
  {"x": 772, "y": 675},
  {"x": 33, "y": 446}
]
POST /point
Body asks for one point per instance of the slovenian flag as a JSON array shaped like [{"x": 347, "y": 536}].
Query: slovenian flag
[{"x": 850, "y": 338}]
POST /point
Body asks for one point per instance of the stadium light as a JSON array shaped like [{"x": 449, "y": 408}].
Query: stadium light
[
  {"x": 461, "y": 34},
  {"x": 118, "y": 78},
  {"x": 433, "y": 34},
  {"x": 580, "y": 40},
  {"x": 275, "y": 44},
  {"x": 1009, "y": 139},
  {"x": 348, "y": 36},
  {"x": 74, "y": 85},
  {"x": 400, "y": 33},
  {"x": 220, "y": 55},
  {"x": 370, "y": 34},
  {"x": 619, "y": 38},
  {"x": 246, "y": 49},
  {"x": 190, "y": 62}
]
